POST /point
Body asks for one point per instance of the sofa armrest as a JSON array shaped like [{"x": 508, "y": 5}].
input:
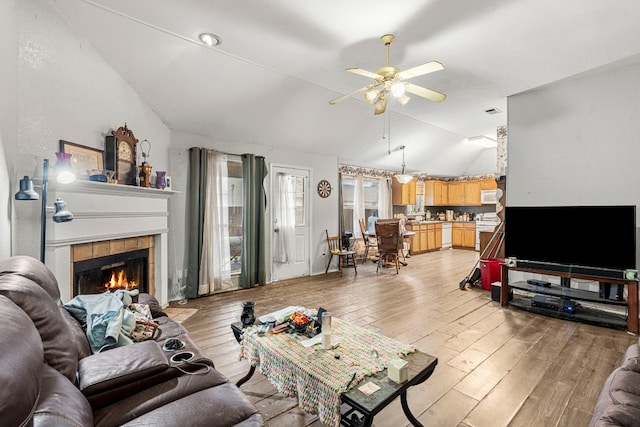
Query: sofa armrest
[
  {"x": 152, "y": 302},
  {"x": 121, "y": 369}
]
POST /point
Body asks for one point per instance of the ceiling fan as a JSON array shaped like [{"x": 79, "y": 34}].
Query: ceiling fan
[{"x": 389, "y": 80}]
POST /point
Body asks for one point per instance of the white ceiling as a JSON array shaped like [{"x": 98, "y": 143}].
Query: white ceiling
[{"x": 281, "y": 61}]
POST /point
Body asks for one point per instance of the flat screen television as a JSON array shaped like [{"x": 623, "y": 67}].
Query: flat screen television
[{"x": 602, "y": 237}]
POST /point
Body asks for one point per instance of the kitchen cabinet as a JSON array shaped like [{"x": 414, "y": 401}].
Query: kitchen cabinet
[
  {"x": 488, "y": 184},
  {"x": 419, "y": 240},
  {"x": 472, "y": 193},
  {"x": 463, "y": 235},
  {"x": 434, "y": 237},
  {"x": 403, "y": 194},
  {"x": 428, "y": 237},
  {"x": 436, "y": 193},
  {"x": 467, "y": 193},
  {"x": 456, "y": 193},
  {"x": 420, "y": 188}
]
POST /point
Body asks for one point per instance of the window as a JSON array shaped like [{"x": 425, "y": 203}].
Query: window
[
  {"x": 298, "y": 197},
  {"x": 370, "y": 197}
]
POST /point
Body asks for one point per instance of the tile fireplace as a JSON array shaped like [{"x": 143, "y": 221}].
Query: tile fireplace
[
  {"x": 115, "y": 264},
  {"x": 110, "y": 220}
]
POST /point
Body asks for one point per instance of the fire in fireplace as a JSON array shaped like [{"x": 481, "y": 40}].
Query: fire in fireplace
[{"x": 128, "y": 270}]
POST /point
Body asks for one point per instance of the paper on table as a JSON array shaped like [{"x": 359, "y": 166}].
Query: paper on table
[
  {"x": 318, "y": 339},
  {"x": 369, "y": 388}
]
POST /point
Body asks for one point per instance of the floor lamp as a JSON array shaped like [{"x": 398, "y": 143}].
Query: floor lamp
[{"x": 64, "y": 175}]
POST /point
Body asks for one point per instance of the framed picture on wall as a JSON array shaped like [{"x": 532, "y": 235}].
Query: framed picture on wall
[{"x": 83, "y": 159}]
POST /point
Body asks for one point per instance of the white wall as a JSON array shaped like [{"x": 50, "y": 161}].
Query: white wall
[
  {"x": 8, "y": 117},
  {"x": 577, "y": 141},
  {"x": 324, "y": 212},
  {"x": 67, "y": 92}
]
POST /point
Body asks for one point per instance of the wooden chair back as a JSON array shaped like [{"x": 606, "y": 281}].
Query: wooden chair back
[
  {"x": 389, "y": 236},
  {"x": 334, "y": 243}
]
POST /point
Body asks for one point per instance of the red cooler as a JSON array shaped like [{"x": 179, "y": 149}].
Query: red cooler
[{"x": 490, "y": 272}]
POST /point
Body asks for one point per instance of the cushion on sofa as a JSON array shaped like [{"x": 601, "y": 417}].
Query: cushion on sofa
[
  {"x": 121, "y": 367},
  {"x": 221, "y": 406},
  {"x": 33, "y": 270},
  {"x": 625, "y": 388},
  {"x": 161, "y": 394},
  {"x": 61, "y": 403},
  {"x": 21, "y": 356},
  {"x": 618, "y": 415},
  {"x": 57, "y": 339}
]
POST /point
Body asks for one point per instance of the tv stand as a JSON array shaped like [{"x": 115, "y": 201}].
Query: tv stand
[{"x": 630, "y": 323}]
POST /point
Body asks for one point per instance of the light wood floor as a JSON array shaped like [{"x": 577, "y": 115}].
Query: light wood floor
[{"x": 496, "y": 366}]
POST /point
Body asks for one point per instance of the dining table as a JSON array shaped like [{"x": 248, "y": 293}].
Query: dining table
[{"x": 406, "y": 237}]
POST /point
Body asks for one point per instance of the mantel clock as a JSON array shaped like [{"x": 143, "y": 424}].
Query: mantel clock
[{"x": 121, "y": 155}]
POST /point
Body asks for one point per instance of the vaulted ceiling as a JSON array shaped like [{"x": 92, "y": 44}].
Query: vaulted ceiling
[{"x": 282, "y": 61}]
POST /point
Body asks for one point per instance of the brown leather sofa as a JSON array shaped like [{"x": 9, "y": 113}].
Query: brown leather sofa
[
  {"x": 50, "y": 378},
  {"x": 619, "y": 400}
]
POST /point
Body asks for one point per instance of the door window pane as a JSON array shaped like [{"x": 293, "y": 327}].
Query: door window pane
[{"x": 235, "y": 203}]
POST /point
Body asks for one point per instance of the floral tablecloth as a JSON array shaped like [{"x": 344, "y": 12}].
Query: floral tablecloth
[{"x": 315, "y": 376}]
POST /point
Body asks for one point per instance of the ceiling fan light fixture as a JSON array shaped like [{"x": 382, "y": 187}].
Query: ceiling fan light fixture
[
  {"x": 371, "y": 96},
  {"x": 397, "y": 89},
  {"x": 403, "y": 99},
  {"x": 210, "y": 39},
  {"x": 381, "y": 104}
]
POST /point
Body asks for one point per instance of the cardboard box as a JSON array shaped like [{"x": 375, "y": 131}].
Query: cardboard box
[{"x": 398, "y": 370}]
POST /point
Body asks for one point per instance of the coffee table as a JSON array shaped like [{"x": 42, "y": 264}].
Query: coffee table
[{"x": 328, "y": 385}]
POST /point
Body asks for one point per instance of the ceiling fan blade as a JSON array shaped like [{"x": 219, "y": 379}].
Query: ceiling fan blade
[
  {"x": 425, "y": 93},
  {"x": 355, "y": 92},
  {"x": 429, "y": 67},
  {"x": 365, "y": 73}
]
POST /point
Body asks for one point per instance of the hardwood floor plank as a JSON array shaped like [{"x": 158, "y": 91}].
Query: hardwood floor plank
[{"x": 450, "y": 410}]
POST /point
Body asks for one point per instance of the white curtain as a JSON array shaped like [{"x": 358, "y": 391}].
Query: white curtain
[
  {"x": 285, "y": 220},
  {"x": 215, "y": 269},
  {"x": 385, "y": 209},
  {"x": 358, "y": 207}
]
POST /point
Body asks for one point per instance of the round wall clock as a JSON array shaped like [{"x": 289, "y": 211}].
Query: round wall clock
[{"x": 324, "y": 188}]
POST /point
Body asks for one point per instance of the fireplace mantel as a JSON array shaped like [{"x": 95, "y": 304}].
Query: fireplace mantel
[{"x": 105, "y": 212}]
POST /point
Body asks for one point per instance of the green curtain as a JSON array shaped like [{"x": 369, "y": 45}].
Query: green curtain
[
  {"x": 196, "y": 186},
  {"x": 254, "y": 269}
]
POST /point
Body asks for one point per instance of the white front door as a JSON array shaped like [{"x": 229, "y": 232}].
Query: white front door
[{"x": 290, "y": 223}]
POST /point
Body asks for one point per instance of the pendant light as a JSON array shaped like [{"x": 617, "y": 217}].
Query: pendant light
[{"x": 402, "y": 177}]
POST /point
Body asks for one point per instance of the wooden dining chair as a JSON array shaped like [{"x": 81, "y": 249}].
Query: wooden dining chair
[
  {"x": 346, "y": 258},
  {"x": 390, "y": 244},
  {"x": 369, "y": 242}
]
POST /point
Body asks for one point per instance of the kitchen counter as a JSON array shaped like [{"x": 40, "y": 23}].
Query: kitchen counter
[{"x": 435, "y": 221}]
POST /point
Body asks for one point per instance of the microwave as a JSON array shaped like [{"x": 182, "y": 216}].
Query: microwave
[{"x": 489, "y": 197}]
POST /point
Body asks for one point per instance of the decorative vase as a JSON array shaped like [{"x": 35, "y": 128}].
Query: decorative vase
[
  {"x": 161, "y": 182},
  {"x": 145, "y": 175},
  {"x": 248, "y": 317}
]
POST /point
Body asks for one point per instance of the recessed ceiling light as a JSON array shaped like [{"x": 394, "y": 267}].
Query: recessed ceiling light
[{"x": 210, "y": 39}]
